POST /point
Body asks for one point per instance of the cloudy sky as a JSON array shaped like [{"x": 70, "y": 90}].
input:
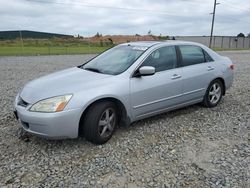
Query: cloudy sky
[{"x": 85, "y": 17}]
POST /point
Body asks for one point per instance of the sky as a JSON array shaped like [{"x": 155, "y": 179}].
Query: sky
[{"x": 126, "y": 17}]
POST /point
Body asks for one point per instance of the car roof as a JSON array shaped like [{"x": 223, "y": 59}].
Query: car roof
[{"x": 149, "y": 44}]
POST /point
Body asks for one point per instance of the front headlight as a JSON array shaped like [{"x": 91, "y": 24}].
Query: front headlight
[{"x": 54, "y": 104}]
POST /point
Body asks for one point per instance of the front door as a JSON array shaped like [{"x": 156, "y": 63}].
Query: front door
[{"x": 152, "y": 94}]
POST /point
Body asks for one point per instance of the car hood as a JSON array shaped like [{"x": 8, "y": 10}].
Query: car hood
[{"x": 63, "y": 82}]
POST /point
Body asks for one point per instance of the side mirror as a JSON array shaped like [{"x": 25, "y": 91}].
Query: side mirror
[{"x": 146, "y": 71}]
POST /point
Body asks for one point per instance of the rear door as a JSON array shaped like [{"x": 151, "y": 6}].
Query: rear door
[{"x": 198, "y": 71}]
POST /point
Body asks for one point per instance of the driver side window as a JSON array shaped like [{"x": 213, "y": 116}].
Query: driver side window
[{"x": 162, "y": 59}]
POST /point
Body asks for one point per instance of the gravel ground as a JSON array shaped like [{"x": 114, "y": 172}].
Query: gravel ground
[{"x": 190, "y": 147}]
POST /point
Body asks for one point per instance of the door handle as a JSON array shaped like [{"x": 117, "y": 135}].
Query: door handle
[
  {"x": 209, "y": 68},
  {"x": 175, "y": 76}
]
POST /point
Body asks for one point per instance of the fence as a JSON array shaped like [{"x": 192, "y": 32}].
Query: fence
[{"x": 223, "y": 42}]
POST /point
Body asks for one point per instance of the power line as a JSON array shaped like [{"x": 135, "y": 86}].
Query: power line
[
  {"x": 87, "y": 4},
  {"x": 229, "y": 4},
  {"x": 231, "y": 18},
  {"x": 168, "y": 13},
  {"x": 84, "y": 4}
]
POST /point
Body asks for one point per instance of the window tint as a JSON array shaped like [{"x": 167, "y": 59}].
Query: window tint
[
  {"x": 192, "y": 55},
  {"x": 162, "y": 59}
]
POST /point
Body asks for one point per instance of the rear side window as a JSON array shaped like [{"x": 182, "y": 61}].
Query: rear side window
[
  {"x": 207, "y": 57},
  {"x": 192, "y": 55},
  {"x": 162, "y": 59}
]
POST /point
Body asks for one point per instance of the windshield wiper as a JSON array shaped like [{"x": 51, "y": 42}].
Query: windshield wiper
[{"x": 92, "y": 69}]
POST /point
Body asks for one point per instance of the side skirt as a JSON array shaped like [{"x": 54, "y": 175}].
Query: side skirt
[{"x": 146, "y": 115}]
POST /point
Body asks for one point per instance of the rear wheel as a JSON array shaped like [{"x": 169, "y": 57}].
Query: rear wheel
[
  {"x": 213, "y": 94},
  {"x": 100, "y": 122}
]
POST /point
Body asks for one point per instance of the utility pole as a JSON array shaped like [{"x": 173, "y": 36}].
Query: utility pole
[{"x": 212, "y": 28}]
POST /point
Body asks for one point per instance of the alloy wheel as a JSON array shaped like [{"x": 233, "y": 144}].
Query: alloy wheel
[
  {"x": 107, "y": 122},
  {"x": 215, "y": 93}
]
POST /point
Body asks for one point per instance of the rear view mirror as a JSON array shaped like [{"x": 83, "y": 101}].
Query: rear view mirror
[{"x": 146, "y": 71}]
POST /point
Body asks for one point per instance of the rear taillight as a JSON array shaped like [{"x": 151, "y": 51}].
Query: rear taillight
[{"x": 232, "y": 66}]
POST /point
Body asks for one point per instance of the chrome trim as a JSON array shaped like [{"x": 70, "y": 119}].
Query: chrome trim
[
  {"x": 193, "y": 91},
  {"x": 156, "y": 101},
  {"x": 168, "y": 98}
]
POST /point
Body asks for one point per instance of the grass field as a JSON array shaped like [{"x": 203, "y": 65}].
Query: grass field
[
  {"x": 56, "y": 46},
  {"x": 54, "y": 50},
  {"x": 50, "y": 47}
]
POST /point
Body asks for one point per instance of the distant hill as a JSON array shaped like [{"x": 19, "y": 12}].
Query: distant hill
[{"x": 8, "y": 35}]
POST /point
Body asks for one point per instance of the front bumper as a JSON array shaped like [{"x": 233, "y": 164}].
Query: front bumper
[{"x": 57, "y": 125}]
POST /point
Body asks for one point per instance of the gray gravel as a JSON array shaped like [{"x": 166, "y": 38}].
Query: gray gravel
[{"x": 190, "y": 147}]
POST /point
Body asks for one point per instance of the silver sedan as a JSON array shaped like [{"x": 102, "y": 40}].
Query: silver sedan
[{"x": 124, "y": 84}]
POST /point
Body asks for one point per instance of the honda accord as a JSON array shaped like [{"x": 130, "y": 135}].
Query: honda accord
[{"x": 124, "y": 84}]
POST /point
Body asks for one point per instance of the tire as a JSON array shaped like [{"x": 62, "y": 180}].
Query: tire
[
  {"x": 100, "y": 122},
  {"x": 213, "y": 94}
]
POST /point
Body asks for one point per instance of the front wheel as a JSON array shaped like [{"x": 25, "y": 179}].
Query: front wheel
[
  {"x": 100, "y": 122},
  {"x": 213, "y": 94}
]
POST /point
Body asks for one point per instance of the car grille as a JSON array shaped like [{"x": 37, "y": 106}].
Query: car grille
[{"x": 22, "y": 103}]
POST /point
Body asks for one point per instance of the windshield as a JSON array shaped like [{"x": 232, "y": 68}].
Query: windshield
[{"x": 116, "y": 60}]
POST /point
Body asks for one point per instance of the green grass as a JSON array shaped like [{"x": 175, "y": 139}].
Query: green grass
[
  {"x": 54, "y": 50},
  {"x": 55, "y": 46}
]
